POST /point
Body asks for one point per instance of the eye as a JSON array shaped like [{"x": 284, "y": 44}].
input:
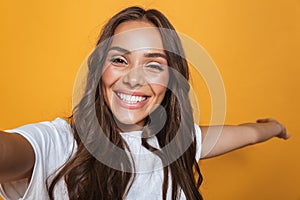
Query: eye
[
  {"x": 118, "y": 61},
  {"x": 154, "y": 67}
]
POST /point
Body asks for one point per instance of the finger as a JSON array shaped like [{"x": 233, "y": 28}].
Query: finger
[
  {"x": 283, "y": 129},
  {"x": 260, "y": 120},
  {"x": 263, "y": 120},
  {"x": 287, "y": 136},
  {"x": 284, "y": 135}
]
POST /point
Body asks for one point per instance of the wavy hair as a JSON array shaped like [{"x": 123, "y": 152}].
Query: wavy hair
[{"x": 86, "y": 177}]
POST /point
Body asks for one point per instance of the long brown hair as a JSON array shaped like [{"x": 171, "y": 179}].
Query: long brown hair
[{"x": 85, "y": 176}]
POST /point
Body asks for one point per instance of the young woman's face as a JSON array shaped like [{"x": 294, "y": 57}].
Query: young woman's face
[{"x": 135, "y": 74}]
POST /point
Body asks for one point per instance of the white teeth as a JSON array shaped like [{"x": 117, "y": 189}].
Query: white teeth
[{"x": 131, "y": 99}]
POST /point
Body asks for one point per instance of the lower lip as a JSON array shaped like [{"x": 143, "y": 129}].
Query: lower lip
[{"x": 131, "y": 105}]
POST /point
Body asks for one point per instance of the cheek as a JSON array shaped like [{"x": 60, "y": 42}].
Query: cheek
[
  {"x": 159, "y": 86},
  {"x": 109, "y": 77},
  {"x": 158, "y": 81},
  {"x": 159, "y": 91}
]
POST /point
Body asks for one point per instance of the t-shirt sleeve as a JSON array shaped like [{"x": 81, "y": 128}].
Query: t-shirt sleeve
[
  {"x": 52, "y": 143},
  {"x": 198, "y": 142}
]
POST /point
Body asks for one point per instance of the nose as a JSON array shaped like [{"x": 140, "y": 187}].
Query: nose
[{"x": 135, "y": 77}]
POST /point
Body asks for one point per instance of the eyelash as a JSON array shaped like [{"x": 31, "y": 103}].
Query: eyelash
[
  {"x": 155, "y": 67},
  {"x": 118, "y": 60},
  {"x": 122, "y": 61}
]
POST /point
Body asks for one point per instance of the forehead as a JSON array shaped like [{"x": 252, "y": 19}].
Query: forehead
[{"x": 137, "y": 35}]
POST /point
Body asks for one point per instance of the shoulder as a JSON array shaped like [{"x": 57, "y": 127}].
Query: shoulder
[
  {"x": 48, "y": 136},
  {"x": 46, "y": 130},
  {"x": 53, "y": 144}
]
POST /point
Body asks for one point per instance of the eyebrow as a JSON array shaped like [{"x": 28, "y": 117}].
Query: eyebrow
[
  {"x": 120, "y": 49},
  {"x": 155, "y": 55},
  {"x": 147, "y": 55}
]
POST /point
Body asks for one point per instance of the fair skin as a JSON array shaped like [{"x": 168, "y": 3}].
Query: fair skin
[
  {"x": 136, "y": 73},
  {"x": 235, "y": 137}
]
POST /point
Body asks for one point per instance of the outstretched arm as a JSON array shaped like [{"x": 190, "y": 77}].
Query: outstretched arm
[{"x": 235, "y": 137}]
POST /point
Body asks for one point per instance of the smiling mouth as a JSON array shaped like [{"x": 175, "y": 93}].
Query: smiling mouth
[{"x": 131, "y": 99}]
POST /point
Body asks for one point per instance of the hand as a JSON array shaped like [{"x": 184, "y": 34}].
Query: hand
[{"x": 281, "y": 129}]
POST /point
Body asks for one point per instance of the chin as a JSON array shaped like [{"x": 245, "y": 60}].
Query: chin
[{"x": 129, "y": 122}]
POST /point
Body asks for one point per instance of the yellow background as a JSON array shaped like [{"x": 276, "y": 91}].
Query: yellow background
[{"x": 255, "y": 44}]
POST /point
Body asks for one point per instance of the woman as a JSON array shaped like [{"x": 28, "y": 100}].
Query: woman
[{"x": 132, "y": 136}]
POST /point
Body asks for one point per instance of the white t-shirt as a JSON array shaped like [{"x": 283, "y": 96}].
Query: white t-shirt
[{"x": 53, "y": 144}]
